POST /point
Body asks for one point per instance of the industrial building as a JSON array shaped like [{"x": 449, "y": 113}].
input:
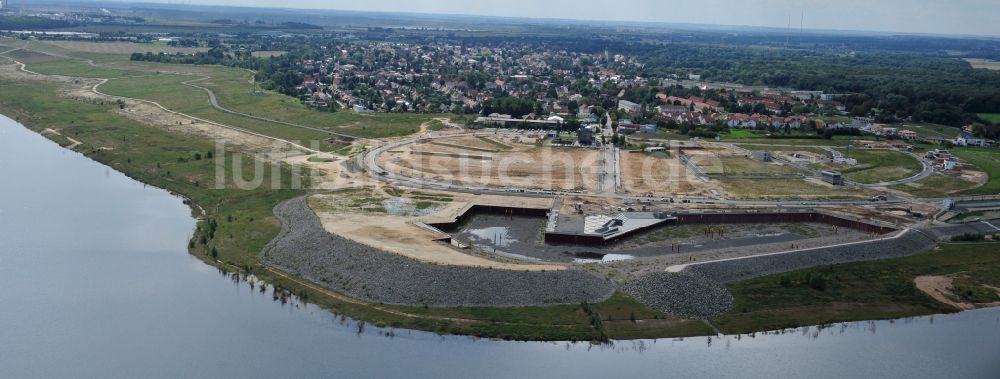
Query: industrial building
[
  {"x": 833, "y": 177},
  {"x": 762, "y": 155},
  {"x": 586, "y": 134}
]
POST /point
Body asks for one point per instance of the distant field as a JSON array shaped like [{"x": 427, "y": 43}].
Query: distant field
[
  {"x": 931, "y": 130},
  {"x": 79, "y": 69},
  {"x": 232, "y": 86},
  {"x": 53, "y": 65},
  {"x": 983, "y": 63},
  {"x": 991, "y": 117},
  {"x": 268, "y": 54},
  {"x": 122, "y": 47}
]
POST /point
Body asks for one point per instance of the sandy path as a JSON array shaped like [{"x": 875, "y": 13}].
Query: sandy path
[
  {"x": 399, "y": 236},
  {"x": 73, "y": 143},
  {"x": 939, "y": 287}
]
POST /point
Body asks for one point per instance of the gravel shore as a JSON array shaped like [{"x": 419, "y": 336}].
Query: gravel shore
[
  {"x": 304, "y": 248},
  {"x": 908, "y": 243},
  {"x": 699, "y": 290},
  {"x": 688, "y": 295}
]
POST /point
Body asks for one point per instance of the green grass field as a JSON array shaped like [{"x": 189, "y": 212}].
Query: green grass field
[
  {"x": 741, "y": 134},
  {"x": 779, "y": 149},
  {"x": 936, "y": 186},
  {"x": 875, "y": 166},
  {"x": 991, "y": 117},
  {"x": 987, "y": 160},
  {"x": 983, "y": 63},
  {"x": 167, "y": 90},
  {"x": 931, "y": 130},
  {"x": 855, "y": 291},
  {"x": 232, "y": 87},
  {"x": 742, "y": 166},
  {"x": 435, "y": 125},
  {"x": 787, "y": 189}
]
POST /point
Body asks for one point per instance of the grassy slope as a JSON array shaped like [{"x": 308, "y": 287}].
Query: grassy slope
[
  {"x": 876, "y": 166},
  {"x": 786, "y": 188},
  {"x": 991, "y": 117},
  {"x": 167, "y": 90},
  {"x": 987, "y": 160},
  {"x": 936, "y": 186},
  {"x": 746, "y": 166},
  {"x": 233, "y": 89},
  {"x": 855, "y": 291},
  {"x": 931, "y": 130}
]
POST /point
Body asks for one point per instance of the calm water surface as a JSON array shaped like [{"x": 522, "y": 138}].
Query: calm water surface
[{"x": 95, "y": 282}]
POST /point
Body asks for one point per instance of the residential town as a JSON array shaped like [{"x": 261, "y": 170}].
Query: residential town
[{"x": 556, "y": 87}]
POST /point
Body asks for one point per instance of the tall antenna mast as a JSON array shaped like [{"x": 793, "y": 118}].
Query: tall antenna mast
[
  {"x": 788, "y": 31},
  {"x": 802, "y": 18}
]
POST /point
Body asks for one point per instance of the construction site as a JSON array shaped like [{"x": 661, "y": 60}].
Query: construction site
[{"x": 527, "y": 206}]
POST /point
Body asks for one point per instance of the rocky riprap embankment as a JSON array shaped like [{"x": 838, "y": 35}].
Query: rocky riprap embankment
[
  {"x": 304, "y": 248},
  {"x": 910, "y": 242},
  {"x": 683, "y": 294},
  {"x": 699, "y": 290}
]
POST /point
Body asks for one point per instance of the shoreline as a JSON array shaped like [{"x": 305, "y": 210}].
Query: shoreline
[
  {"x": 388, "y": 315},
  {"x": 336, "y": 302}
]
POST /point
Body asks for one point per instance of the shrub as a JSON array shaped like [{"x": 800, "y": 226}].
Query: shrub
[{"x": 968, "y": 237}]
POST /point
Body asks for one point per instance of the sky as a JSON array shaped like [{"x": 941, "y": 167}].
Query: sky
[{"x": 971, "y": 17}]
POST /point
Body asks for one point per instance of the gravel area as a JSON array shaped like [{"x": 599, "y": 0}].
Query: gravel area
[
  {"x": 638, "y": 267},
  {"x": 522, "y": 236},
  {"x": 699, "y": 290},
  {"x": 684, "y": 294},
  {"x": 909, "y": 243},
  {"x": 304, "y": 248}
]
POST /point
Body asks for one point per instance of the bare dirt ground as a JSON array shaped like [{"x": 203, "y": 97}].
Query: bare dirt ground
[
  {"x": 642, "y": 174},
  {"x": 939, "y": 287},
  {"x": 400, "y": 234},
  {"x": 521, "y": 166}
]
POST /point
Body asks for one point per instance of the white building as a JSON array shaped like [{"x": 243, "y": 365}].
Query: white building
[{"x": 628, "y": 106}]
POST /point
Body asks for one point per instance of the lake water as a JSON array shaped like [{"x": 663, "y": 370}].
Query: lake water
[{"x": 95, "y": 281}]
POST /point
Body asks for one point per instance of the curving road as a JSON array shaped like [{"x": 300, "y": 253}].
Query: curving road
[{"x": 369, "y": 161}]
